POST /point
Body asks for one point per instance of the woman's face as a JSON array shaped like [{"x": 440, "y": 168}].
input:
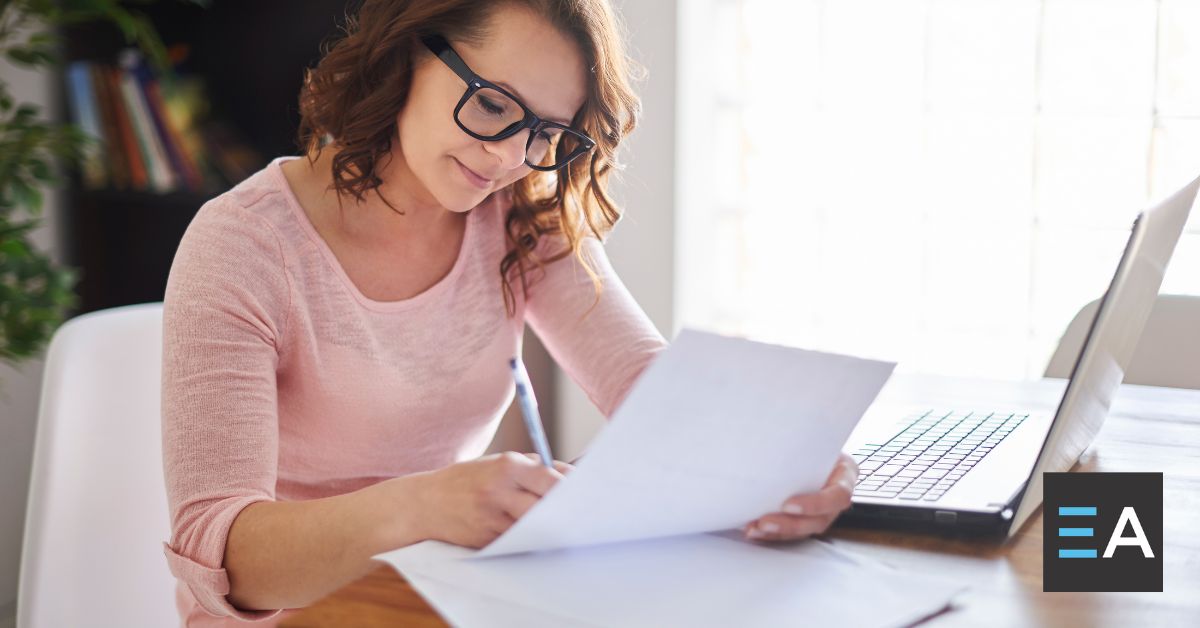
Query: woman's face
[{"x": 525, "y": 55}]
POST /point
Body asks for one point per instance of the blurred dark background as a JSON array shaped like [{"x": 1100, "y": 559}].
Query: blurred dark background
[{"x": 251, "y": 57}]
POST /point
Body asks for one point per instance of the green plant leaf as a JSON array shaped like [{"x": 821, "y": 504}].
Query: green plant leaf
[
  {"x": 35, "y": 294},
  {"x": 21, "y": 56},
  {"x": 41, "y": 171},
  {"x": 14, "y": 232},
  {"x": 33, "y": 301},
  {"x": 24, "y": 113},
  {"x": 26, "y": 195}
]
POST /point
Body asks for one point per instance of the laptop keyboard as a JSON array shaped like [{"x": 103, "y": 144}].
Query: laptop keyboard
[{"x": 929, "y": 455}]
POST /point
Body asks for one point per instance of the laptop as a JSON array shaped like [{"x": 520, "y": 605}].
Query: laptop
[{"x": 977, "y": 470}]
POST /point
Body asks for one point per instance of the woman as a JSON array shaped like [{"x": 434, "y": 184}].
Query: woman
[{"x": 337, "y": 327}]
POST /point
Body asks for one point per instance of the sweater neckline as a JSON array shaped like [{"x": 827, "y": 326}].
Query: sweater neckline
[{"x": 430, "y": 293}]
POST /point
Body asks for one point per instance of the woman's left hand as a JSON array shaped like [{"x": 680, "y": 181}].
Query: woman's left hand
[{"x": 810, "y": 513}]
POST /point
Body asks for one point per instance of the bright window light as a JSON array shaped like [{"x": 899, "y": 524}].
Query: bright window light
[{"x": 943, "y": 183}]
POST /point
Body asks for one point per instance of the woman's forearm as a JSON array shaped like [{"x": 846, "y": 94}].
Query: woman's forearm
[{"x": 290, "y": 554}]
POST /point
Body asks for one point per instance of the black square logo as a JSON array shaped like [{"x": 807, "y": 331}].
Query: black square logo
[{"x": 1102, "y": 532}]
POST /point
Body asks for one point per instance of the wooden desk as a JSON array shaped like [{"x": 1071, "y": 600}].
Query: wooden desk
[{"x": 1149, "y": 429}]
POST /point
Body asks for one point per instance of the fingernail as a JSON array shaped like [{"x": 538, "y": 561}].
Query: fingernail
[
  {"x": 768, "y": 526},
  {"x": 793, "y": 508},
  {"x": 754, "y": 533}
]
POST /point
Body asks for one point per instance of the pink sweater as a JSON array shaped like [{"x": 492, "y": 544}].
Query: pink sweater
[{"x": 281, "y": 381}]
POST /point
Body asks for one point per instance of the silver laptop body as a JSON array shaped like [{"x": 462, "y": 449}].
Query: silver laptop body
[{"x": 977, "y": 468}]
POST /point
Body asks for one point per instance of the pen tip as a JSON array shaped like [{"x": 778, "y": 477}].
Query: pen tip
[{"x": 513, "y": 363}]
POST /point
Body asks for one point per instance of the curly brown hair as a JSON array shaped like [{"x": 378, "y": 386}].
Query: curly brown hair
[{"x": 351, "y": 100}]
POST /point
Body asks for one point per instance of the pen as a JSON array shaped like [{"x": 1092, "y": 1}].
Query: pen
[{"x": 533, "y": 421}]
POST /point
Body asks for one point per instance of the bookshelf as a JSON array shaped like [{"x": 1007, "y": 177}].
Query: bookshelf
[{"x": 250, "y": 57}]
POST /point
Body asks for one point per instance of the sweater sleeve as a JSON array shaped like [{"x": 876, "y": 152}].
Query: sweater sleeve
[
  {"x": 604, "y": 350},
  {"x": 224, "y": 313}
]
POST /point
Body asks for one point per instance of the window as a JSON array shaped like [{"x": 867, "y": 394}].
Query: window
[{"x": 943, "y": 183}]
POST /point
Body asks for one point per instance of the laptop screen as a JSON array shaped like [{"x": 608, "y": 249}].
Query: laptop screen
[{"x": 1110, "y": 343}]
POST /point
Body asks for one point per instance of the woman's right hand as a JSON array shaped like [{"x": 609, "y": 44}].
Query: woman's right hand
[{"x": 471, "y": 503}]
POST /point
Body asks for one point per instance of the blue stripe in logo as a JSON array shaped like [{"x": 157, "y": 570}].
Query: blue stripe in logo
[{"x": 1076, "y": 511}]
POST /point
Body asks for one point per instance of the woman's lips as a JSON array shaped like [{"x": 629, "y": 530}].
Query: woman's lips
[{"x": 472, "y": 177}]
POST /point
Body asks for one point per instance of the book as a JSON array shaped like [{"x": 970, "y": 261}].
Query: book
[
  {"x": 138, "y": 178},
  {"x": 119, "y": 170},
  {"x": 185, "y": 167},
  {"x": 85, "y": 114},
  {"x": 158, "y": 167},
  {"x": 185, "y": 106},
  {"x": 155, "y": 132}
]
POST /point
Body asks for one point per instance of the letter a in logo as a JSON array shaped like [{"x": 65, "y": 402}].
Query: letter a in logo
[{"x": 1128, "y": 515}]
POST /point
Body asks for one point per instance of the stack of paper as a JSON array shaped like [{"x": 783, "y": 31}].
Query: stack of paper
[{"x": 717, "y": 432}]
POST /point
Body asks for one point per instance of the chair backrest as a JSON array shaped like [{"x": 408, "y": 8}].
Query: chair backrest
[
  {"x": 1168, "y": 353},
  {"x": 97, "y": 502}
]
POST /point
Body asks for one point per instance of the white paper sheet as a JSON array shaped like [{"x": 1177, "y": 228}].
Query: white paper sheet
[
  {"x": 460, "y": 607},
  {"x": 693, "y": 580},
  {"x": 717, "y": 432}
]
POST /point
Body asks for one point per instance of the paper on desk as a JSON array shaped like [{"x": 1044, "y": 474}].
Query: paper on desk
[
  {"x": 465, "y": 608},
  {"x": 695, "y": 580},
  {"x": 717, "y": 432}
]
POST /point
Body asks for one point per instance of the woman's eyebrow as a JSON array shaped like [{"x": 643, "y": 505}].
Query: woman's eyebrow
[{"x": 524, "y": 100}]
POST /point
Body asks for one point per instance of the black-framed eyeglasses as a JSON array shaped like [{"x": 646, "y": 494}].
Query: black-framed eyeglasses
[{"x": 489, "y": 112}]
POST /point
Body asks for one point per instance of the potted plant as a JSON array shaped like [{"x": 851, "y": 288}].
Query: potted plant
[{"x": 35, "y": 294}]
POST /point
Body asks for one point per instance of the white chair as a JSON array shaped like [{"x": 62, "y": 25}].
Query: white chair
[
  {"x": 1168, "y": 353},
  {"x": 97, "y": 502}
]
